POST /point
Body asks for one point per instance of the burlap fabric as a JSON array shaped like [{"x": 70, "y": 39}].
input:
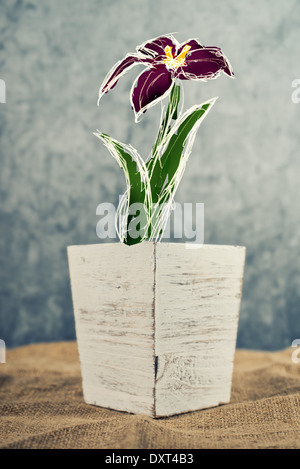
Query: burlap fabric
[{"x": 42, "y": 407}]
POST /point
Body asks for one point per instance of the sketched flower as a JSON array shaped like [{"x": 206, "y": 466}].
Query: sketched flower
[{"x": 166, "y": 60}]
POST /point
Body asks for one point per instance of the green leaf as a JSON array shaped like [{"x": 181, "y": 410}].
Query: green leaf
[
  {"x": 178, "y": 147},
  {"x": 169, "y": 168},
  {"x": 136, "y": 178},
  {"x": 131, "y": 163}
]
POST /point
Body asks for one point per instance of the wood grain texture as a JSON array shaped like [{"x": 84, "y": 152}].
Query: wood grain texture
[
  {"x": 197, "y": 304},
  {"x": 156, "y": 324},
  {"x": 112, "y": 289}
]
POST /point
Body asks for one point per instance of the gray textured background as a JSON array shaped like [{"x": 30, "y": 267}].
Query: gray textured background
[{"x": 245, "y": 165}]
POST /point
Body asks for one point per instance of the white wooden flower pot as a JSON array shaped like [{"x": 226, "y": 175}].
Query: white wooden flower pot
[{"x": 156, "y": 324}]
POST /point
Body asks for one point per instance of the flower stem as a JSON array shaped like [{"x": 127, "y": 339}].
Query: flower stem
[{"x": 165, "y": 127}]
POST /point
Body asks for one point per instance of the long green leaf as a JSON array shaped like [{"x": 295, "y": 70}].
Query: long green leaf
[
  {"x": 177, "y": 148},
  {"x": 168, "y": 170},
  {"x": 136, "y": 179}
]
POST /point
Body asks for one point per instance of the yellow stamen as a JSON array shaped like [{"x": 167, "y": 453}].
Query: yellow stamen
[
  {"x": 183, "y": 53},
  {"x": 175, "y": 62},
  {"x": 168, "y": 51}
]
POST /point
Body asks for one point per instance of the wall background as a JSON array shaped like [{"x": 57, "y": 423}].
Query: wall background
[{"x": 245, "y": 163}]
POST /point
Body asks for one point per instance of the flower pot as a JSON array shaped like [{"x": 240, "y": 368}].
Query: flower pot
[{"x": 156, "y": 324}]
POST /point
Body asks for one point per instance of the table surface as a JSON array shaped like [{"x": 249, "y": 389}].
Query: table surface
[{"x": 41, "y": 406}]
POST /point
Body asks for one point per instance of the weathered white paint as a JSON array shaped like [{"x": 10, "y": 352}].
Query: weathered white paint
[
  {"x": 112, "y": 288},
  {"x": 196, "y": 315},
  {"x": 156, "y": 324}
]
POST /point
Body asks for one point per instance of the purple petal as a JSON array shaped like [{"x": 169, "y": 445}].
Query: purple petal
[
  {"x": 120, "y": 69},
  {"x": 149, "y": 87},
  {"x": 156, "y": 47},
  {"x": 193, "y": 43},
  {"x": 204, "y": 64}
]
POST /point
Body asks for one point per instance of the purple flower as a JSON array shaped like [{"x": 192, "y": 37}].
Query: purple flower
[{"x": 166, "y": 60}]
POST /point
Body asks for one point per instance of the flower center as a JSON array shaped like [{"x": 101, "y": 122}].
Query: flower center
[{"x": 175, "y": 62}]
